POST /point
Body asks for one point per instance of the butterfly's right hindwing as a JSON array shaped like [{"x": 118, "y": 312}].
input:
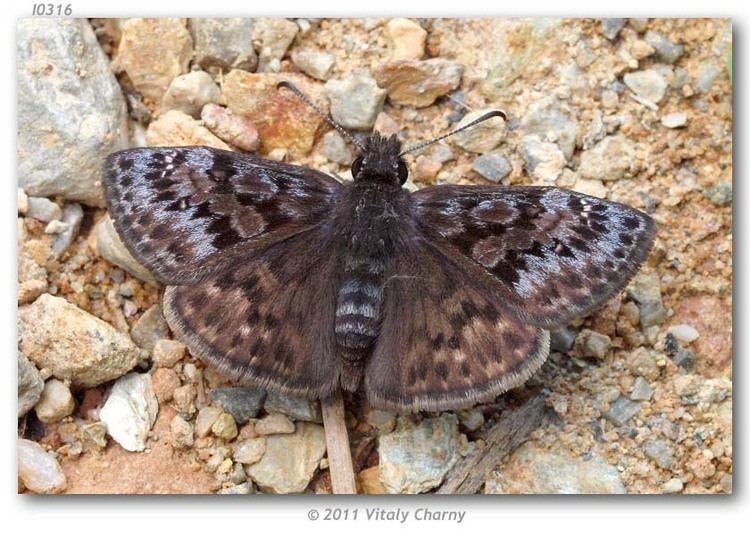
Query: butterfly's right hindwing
[{"x": 186, "y": 212}]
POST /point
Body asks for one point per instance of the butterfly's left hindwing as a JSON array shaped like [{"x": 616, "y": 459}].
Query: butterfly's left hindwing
[
  {"x": 551, "y": 255},
  {"x": 187, "y": 212}
]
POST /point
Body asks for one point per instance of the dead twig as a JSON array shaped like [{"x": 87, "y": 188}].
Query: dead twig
[{"x": 337, "y": 442}]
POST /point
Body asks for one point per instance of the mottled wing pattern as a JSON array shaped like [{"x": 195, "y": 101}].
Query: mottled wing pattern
[
  {"x": 185, "y": 212},
  {"x": 268, "y": 321},
  {"x": 445, "y": 342},
  {"x": 551, "y": 255}
]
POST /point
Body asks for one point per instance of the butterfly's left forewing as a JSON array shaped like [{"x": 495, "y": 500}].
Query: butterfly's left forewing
[{"x": 188, "y": 212}]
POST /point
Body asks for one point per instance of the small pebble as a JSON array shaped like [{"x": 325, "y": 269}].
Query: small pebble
[
  {"x": 675, "y": 120},
  {"x": 167, "y": 352},
  {"x": 641, "y": 390},
  {"x": 181, "y": 432},
  {"x": 42, "y": 209},
  {"x": 647, "y": 84},
  {"x": 316, "y": 64},
  {"x": 667, "y": 51},
  {"x": 130, "y": 411},
  {"x": 356, "y": 101},
  {"x": 660, "y": 453},
  {"x": 56, "y": 402},
  {"x": 232, "y": 128},
  {"x": 38, "y": 470},
  {"x": 246, "y": 488},
  {"x": 190, "y": 92},
  {"x": 225, "y": 427},
  {"x": 30, "y": 385},
  {"x": 72, "y": 217},
  {"x": 206, "y": 418},
  {"x": 149, "y": 328},
  {"x": 296, "y": 408},
  {"x": 686, "y": 384},
  {"x": 165, "y": 381},
  {"x": 683, "y": 333},
  {"x": 611, "y": 27},
  {"x": 336, "y": 150},
  {"x": 471, "y": 419},
  {"x": 242, "y": 403},
  {"x": 22, "y": 202},
  {"x": 407, "y": 39},
  {"x": 544, "y": 160},
  {"x": 720, "y": 193},
  {"x": 274, "y": 423},
  {"x": 492, "y": 166},
  {"x": 622, "y": 410},
  {"x": 592, "y": 344},
  {"x": 673, "y": 485}
]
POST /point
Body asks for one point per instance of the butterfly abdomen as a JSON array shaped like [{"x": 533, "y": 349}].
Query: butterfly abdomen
[{"x": 358, "y": 314}]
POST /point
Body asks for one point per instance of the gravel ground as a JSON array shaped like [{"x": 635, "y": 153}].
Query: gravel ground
[{"x": 638, "y": 396}]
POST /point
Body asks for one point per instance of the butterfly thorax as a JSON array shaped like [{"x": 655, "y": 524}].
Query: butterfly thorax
[
  {"x": 380, "y": 161},
  {"x": 369, "y": 222}
]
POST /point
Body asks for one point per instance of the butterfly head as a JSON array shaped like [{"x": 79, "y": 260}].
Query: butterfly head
[{"x": 380, "y": 161}]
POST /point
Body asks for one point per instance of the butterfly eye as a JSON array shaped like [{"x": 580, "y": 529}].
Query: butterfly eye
[
  {"x": 403, "y": 171},
  {"x": 356, "y": 165}
]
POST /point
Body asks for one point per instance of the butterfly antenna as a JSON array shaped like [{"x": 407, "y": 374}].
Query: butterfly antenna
[
  {"x": 304, "y": 98},
  {"x": 485, "y": 117}
]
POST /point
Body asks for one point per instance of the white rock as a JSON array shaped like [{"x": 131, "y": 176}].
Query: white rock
[
  {"x": 684, "y": 333},
  {"x": 544, "y": 160},
  {"x": 313, "y": 63},
  {"x": 56, "y": 402},
  {"x": 42, "y": 209},
  {"x": 110, "y": 246},
  {"x": 130, "y": 411},
  {"x": 675, "y": 120},
  {"x": 38, "y": 470},
  {"x": 647, "y": 84},
  {"x": 190, "y": 92},
  {"x": 290, "y": 460},
  {"x": 415, "y": 458}
]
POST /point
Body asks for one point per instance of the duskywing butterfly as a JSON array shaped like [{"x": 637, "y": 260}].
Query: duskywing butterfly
[{"x": 284, "y": 278}]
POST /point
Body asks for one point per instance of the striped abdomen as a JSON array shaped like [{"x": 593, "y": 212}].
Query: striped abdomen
[{"x": 358, "y": 309}]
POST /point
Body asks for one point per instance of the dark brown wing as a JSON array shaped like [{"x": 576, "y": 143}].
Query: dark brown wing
[
  {"x": 269, "y": 320},
  {"x": 551, "y": 255},
  {"x": 186, "y": 212},
  {"x": 445, "y": 341}
]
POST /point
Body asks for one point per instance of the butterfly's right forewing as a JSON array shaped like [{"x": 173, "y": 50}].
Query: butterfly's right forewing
[{"x": 187, "y": 212}]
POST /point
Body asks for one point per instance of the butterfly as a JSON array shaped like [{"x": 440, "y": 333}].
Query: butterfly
[{"x": 287, "y": 279}]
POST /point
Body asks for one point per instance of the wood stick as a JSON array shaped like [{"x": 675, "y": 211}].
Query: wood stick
[
  {"x": 512, "y": 429},
  {"x": 337, "y": 442}
]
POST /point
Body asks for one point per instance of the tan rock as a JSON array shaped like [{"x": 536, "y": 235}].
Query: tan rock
[
  {"x": 418, "y": 83},
  {"x": 153, "y": 52},
  {"x": 230, "y": 127},
  {"x": 369, "y": 481},
  {"x": 72, "y": 343},
  {"x": 282, "y": 119},
  {"x": 165, "y": 381},
  {"x": 178, "y": 128},
  {"x": 407, "y": 39}
]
